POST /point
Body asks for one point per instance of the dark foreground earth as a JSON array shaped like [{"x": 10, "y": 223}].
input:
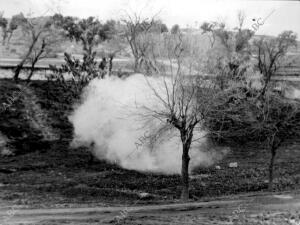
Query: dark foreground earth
[
  {"x": 42, "y": 176},
  {"x": 270, "y": 209}
]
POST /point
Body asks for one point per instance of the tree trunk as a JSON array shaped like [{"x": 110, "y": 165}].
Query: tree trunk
[
  {"x": 271, "y": 168},
  {"x": 31, "y": 72},
  {"x": 136, "y": 65},
  {"x": 267, "y": 81},
  {"x": 4, "y": 36},
  {"x": 185, "y": 172},
  {"x": 36, "y": 59},
  {"x": 20, "y": 65},
  {"x": 18, "y": 70},
  {"x": 110, "y": 65},
  {"x": 264, "y": 89}
]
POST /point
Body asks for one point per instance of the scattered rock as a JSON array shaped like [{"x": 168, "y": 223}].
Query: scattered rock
[
  {"x": 144, "y": 195},
  {"x": 233, "y": 165},
  {"x": 218, "y": 167}
]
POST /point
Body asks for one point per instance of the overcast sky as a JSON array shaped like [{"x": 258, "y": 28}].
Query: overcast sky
[{"x": 282, "y": 15}]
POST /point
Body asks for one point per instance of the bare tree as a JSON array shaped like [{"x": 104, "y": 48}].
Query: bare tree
[
  {"x": 8, "y": 27},
  {"x": 208, "y": 28},
  {"x": 241, "y": 19},
  {"x": 185, "y": 102},
  {"x": 35, "y": 31},
  {"x": 43, "y": 48},
  {"x": 136, "y": 28},
  {"x": 269, "y": 53},
  {"x": 239, "y": 115}
]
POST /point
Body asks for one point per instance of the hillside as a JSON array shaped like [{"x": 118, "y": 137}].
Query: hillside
[{"x": 39, "y": 168}]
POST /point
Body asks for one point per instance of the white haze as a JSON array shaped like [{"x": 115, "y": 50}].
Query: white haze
[{"x": 110, "y": 117}]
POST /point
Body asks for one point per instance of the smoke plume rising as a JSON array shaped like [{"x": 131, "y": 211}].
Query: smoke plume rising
[{"x": 111, "y": 117}]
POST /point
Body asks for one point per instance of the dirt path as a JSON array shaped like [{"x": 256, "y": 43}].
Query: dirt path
[
  {"x": 213, "y": 212},
  {"x": 29, "y": 216}
]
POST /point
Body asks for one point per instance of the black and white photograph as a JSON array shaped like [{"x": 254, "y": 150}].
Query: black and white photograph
[{"x": 149, "y": 112}]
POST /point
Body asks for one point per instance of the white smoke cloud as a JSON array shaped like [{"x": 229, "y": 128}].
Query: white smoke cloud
[
  {"x": 109, "y": 117},
  {"x": 292, "y": 93}
]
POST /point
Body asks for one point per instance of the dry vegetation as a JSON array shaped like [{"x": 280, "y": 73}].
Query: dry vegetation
[
  {"x": 41, "y": 169},
  {"x": 50, "y": 172}
]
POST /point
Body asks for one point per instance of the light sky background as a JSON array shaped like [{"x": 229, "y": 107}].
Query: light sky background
[{"x": 285, "y": 14}]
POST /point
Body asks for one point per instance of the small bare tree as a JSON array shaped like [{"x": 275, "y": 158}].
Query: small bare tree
[
  {"x": 9, "y": 26},
  {"x": 208, "y": 28},
  {"x": 136, "y": 29},
  {"x": 36, "y": 32},
  {"x": 44, "y": 47},
  {"x": 269, "y": 53}
]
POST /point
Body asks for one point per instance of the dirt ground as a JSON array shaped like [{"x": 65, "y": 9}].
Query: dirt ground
[
  {"x": 243, "y": 210},
  {"x": 48, "y": 182}
]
